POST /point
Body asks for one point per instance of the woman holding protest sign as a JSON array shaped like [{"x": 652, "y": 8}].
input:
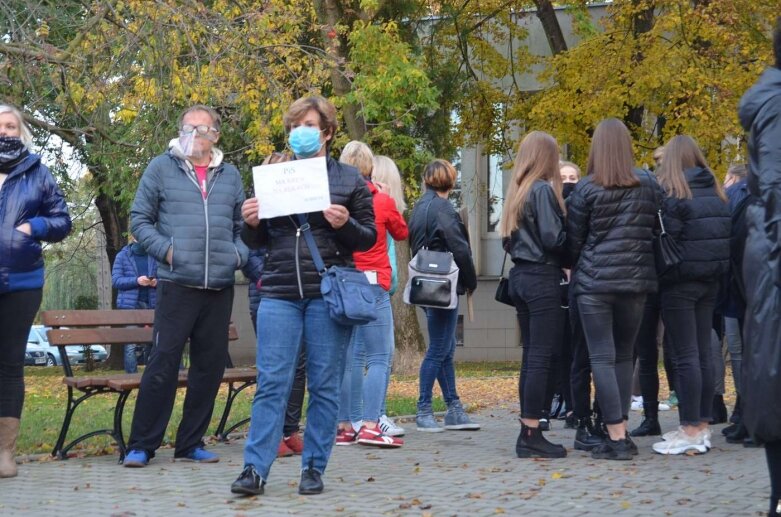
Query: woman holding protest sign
[{"x": 291, "y": 298}]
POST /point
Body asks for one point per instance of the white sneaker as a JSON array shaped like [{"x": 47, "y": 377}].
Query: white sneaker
[
  {"x": 664, "y": 407},
  {"x": 681, "y": 443},
  {"x": 637, "y": 403},
  {"x": 389, "y": 427}
]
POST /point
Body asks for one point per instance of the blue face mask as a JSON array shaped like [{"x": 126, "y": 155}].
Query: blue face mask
[{"x": 304, "y": 141}]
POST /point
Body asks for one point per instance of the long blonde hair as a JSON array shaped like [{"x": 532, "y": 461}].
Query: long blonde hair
[
  {"x": 682, "y": 153},
  {"x": 386, "y": 172},
  {"x": 537, "y": 159}
]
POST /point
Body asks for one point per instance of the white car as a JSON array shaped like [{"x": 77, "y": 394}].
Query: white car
[{"x": 38, "y": 338}]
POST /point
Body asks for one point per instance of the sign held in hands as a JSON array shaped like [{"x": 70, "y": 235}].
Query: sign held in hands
[{"x": 295, "y": 187}]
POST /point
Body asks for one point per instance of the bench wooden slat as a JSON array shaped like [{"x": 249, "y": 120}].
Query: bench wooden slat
[
  {"x": 97, "y": 318},
  {"x": 99, "y": 336},
  {"x": 240, "y": 375}
]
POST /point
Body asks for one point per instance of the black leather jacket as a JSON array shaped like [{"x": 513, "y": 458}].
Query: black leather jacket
[
  {"x": 541, "y": 235},
  {"x": 289, "y": 271},
  {"x": 446, "y": 232}
]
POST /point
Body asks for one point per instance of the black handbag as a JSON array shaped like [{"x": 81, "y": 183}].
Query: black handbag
[
  {"x": 667, "y": 253},
  {"x": 503, "y": 289}
]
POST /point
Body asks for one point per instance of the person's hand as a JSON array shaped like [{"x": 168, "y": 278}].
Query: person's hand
[
  {"x": 144, "y": 281},
  {"x": 336, "y": 215},
  {"x": 249, "y": 212},
  {"x": 153, "y": 282},
  {"x": 169, "y": 256},
  {"x": 25, "y": 228}
]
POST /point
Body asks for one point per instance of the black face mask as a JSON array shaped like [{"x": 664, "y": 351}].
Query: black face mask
[
  {"x": 567, "y": 189},
  {"x": 11, "y": 148}
]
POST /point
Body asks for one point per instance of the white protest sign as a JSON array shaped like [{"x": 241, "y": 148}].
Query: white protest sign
[{"x": 295, "y": 187}]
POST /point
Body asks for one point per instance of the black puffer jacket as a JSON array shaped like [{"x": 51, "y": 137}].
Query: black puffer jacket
[
  {"x": 446, "y": 232},
  {"x": 701, "y": 227},
  {"x": 541, "y": 236},
  {"x": 289, "y": 271},
  {"x": 609, "y": 237}
]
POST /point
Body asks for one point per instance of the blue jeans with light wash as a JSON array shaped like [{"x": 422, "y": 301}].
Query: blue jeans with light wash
[
  {"x": 371, "y": 347},
  {"x": 292, "y": 324},
  {"x": 438, "y": 362}
]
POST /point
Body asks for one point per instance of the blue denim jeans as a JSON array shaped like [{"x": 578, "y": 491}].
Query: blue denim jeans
[
  {"x": 438, "y": 362},
  {"x": 294, "y": 323},
  {"x": 371, "y": 348}
]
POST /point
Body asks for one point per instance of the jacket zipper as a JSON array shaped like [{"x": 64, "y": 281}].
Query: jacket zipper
[
  {"x": 298, "y": 265},
  {"x": 206, "y": 218}
]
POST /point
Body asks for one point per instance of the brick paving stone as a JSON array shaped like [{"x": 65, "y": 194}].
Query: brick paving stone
[{"x": 451, "y": 473}]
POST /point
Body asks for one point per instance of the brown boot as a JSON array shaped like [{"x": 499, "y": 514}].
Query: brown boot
[{"x": 9, "y": 430}]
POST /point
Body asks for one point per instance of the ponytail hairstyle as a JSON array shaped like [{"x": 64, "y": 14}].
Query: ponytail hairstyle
[{"x": 537, "y": 159}]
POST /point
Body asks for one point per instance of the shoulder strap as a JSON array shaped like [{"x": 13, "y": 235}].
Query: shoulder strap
[
  {"x": 504, "y": 262},
  {"x": 306, "y": 229},
  {"x": 425, "y": 228}
]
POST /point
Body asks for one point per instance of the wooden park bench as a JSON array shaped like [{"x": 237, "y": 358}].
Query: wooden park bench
[{"x": 120, "y": 327}]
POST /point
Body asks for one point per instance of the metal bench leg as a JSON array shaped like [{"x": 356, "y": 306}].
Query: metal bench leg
[
  {"x": 118, "y": 434},
  {"x": 221, "y": 433},
  {"x": 232, "y": 392},
  {"x": 71, "y": 407}
]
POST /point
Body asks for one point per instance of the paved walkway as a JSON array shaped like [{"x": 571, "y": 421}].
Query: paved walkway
[{"x": 451, "y": 473}]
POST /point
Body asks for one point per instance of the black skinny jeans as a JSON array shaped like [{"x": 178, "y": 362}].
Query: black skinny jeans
[
  {"x": 534, "y": 289},
  {"x": 17, "y": 312},
  {"x": 647, "y": 352},
  {"x": 611, "y": 323},
  {"x": 580, "y": 374},
  {"x": 687, "y": 311},
  {"x": 203, "y": 316},
  {"x": 295, "y": 402}
]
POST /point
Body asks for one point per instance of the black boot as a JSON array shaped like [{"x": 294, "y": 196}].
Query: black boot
[
  {"x": 584, "y": 439},
  {"x": 735, "y": 418},
  {"x": 720, "y": 414},
  {"x": 532, "y": 444},
  {"x": 650, "y": 424},
  {"x": 598, "y": 428},
  {"x": 738, "y": 435},
  {"x": 571, "y": 421}
]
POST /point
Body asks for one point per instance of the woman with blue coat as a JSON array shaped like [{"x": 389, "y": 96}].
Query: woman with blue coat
[{"x": 32, "y": 209}]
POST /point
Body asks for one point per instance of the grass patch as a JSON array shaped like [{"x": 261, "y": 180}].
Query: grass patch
[{"x": 46, "y": 398}]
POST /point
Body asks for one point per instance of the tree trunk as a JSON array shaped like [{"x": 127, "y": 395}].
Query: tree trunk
[
  {"x": 550, "y": 24},
  {"x": 115, "y": 227},
  {"x": 642, "y": 22},
  {"x": 331, "y": 14},
  {"x": 409, "y": 338}
]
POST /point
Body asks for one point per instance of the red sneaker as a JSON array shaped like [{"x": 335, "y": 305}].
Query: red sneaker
[
  {"x": 376, "y": 438},
  {"x": 294, "y": 443},
  {"x": 345, "y": 437},
  {"x": 283, "y": 450}
]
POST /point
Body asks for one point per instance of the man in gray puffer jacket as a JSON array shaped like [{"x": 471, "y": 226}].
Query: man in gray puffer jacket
[{"x": 187, "y": 214}]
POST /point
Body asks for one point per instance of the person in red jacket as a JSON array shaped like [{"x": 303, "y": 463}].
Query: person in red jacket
[{"x": 371, "y": 344}]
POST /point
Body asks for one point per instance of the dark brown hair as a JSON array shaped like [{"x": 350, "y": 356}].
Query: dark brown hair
[{"x": 610, "y": 161}]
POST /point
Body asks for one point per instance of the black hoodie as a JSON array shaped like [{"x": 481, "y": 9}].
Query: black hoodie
[{"x": 701, "y": 227}]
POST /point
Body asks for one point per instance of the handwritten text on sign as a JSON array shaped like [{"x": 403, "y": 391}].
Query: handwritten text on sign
[{"x": 296, "y": 187}]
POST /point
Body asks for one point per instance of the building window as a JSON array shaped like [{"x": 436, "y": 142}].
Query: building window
[{"x": 460, "y": 330}]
